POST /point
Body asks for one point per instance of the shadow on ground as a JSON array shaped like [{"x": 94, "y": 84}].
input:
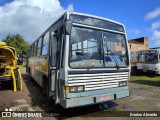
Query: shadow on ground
[
  {"x": 7, "y": 85},
  {"x": 40, "y": 100}
]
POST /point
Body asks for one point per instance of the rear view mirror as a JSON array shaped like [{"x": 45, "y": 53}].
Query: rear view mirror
[
  {"x": 54, "y": 34},
  {"x": 68, "y": 27}
]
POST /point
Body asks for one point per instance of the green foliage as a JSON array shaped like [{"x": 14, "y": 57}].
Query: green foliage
[
  {"x": 17, "y": 42},
  {"x": 21, "y": 66}
]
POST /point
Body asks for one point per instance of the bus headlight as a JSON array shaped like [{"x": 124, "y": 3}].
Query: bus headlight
[
  {"x": 80, "y": 88},
  {"x": 73, "y": 89},
  {"x": 76, "y": 89},
  {"x": 122, "y": 83}
]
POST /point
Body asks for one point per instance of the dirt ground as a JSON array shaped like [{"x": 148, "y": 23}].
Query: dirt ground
[{"x": 144, "y": 96}]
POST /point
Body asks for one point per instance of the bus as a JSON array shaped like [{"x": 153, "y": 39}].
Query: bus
[
  {"x": 133, "y": 61},
  {"x": 148, "y": 61},
  {"x": 81, "y": 60},
  {"x": 8, "y": 66}
]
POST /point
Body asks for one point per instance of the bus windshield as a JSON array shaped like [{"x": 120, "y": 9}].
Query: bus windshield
[
  {"x": 151, "y": 58},
  {"x": 91, "y": 48}
]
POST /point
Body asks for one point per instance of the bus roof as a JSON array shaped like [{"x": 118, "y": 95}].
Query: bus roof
[
  {"x": 149, "y": 51},
  {"x": 89, "y": 15},
  {"x": 67, "y": 13}
]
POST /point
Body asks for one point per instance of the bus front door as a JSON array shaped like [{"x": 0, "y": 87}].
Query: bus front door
[{"x": 55, "y": 63}]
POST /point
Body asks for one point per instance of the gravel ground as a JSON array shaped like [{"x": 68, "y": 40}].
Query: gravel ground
[{"x": 144, "y": 96}]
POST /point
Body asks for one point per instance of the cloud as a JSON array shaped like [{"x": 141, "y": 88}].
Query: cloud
[
  {"x": 30, "y": 18},
  {"x": 70, "y": 8},
  {"x": 156, "y": 33},
  {"x": 155, "y": 25},
  {"x": 156, "y": 37},
  {"x": 155, "y": 13},
  {"x": 134, "y": 31}
]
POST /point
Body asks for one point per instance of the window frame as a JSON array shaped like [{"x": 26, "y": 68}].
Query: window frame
[
  {"x": 44, "y": 37},
  {"x": 39, "y": 47}
]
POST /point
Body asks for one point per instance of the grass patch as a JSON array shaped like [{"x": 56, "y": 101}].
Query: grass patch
[
  {"x": 145, "y": 77},
  {"x": 146, "y": 80},
  {"x": 21, "y": 66}
]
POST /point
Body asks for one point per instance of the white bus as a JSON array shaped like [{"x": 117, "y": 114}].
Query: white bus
[
  {"x": 148, "y": 61},
  {"x": 81, "y": 60}
]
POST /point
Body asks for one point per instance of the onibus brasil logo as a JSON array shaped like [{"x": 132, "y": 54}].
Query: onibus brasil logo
[
  {"x": 19, "y": 113},
  {"x": 7, "y": 113}
]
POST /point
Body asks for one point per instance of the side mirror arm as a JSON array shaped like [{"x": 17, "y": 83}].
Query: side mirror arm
[{"x": 68, "y": 27}]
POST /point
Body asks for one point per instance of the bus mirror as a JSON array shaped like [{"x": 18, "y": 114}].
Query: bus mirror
[
  {"x": 68, "y": 27},
  {"x": 54, "y": 34}
]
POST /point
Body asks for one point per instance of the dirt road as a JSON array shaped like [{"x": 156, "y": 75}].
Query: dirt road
[{"x": 144, "y": 96}]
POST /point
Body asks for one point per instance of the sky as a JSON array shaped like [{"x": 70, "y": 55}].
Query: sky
[{"x": 30, "y": 18}]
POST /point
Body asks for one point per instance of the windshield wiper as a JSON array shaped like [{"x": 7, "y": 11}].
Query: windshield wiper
[{"x": 114, "y": 58}]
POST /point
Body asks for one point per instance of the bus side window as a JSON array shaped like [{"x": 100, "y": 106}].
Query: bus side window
[
  {"x": 63, "y": 51},
  {"x": 34, "y": 49},
  {"x": 45, "y": 44},
  {"x": 39, "y": 47},
  {"x": 54, "y": 50},
  {"x": 45, "y": 49}
]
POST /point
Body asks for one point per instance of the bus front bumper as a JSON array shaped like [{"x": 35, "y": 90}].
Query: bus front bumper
[{"x": 107, "y": 94}]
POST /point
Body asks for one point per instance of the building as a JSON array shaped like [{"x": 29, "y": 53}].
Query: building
[{"x": 138, "y": 44}]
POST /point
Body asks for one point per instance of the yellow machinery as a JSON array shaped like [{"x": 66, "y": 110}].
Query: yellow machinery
[{"x": 8, "y": 66}]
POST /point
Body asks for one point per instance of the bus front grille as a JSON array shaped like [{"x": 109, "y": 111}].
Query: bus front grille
[{"x": 95, "y": 81}]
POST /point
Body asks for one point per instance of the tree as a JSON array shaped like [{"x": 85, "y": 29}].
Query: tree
[{"x": 17, "y": 42}]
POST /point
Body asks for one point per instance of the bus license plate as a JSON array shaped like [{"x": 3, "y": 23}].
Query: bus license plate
[{"x": 106, "y": 97}]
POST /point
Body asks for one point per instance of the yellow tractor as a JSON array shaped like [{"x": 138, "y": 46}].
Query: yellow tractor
[{"x": 8, "y": 66}]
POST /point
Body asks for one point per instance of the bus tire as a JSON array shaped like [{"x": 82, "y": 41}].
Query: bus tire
[{"x": 28, "y": 70}]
